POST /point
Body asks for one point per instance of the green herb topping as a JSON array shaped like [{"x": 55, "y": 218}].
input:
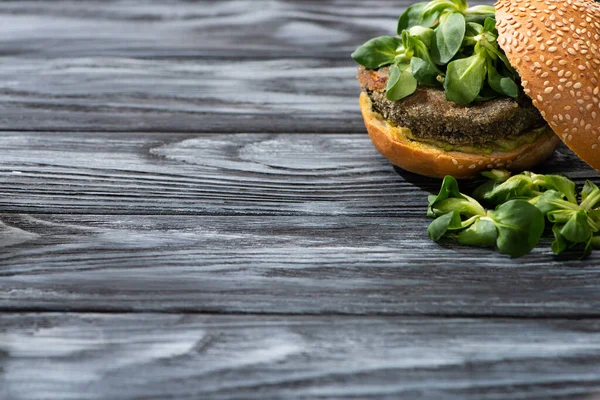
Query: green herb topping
[
  {"x": 443, "y": 43},
  {"x": 522, "y": 204}
]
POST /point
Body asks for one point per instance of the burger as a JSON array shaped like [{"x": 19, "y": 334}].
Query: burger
[{"x": 464, "y": 89}]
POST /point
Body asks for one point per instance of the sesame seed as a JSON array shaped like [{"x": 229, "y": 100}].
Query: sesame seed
[{"x": 549, "y": 89}]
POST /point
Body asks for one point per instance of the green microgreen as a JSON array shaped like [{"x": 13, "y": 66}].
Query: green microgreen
[
  {"x": 514, "y": 227},
  {"x": 401, "y": 82},
  {"x": 521, "y": 203},
  {"x": 449, "y": 37},
  {"x": 378, "y": 52},
  {"x": 447, "y": 44}
]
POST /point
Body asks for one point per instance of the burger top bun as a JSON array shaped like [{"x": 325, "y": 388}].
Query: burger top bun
[{"x": 554, "y": 46}]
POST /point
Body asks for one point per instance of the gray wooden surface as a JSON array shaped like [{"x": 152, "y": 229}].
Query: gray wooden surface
[
  {"x": 311, "y": 357},
  {"x": 190, "y": 208}
]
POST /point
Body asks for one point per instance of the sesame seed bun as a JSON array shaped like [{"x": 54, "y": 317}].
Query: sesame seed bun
[
  {"x": 429, "y": 160},
  {"x": 554, "y": 45}
]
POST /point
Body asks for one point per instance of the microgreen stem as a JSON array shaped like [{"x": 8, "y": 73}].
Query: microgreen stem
[{"x": 591, "y": 200}]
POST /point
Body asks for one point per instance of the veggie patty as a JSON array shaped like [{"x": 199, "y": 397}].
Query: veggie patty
[{"x": 429, "y": 115}]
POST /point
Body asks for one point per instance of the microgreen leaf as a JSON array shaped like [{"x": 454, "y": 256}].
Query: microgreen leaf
[
  {"x": 450, "y": 199},
  {"x": 496, "y": 175},
  {"x": 576, "y": 229},
  {"x": 438, "y": 7},
  {"x": 560, "y": 216},
  {"x": 588, "y": 188},
  {"x": 592, "y": 196},
  {"x": 594, "y": 219},
  {"x": 464, "y": 79},
  {"x": 441, "y": 225},
  {"x": 549, "y": 201},
  {"x": 413, "y": 16},
  {"x": 449, "y": 189},
  {"x": 501, "y": 84},
  {"x": 473, "y": 29},
  {"x": 559, "y": 244},
  {"x": 401, "y": 83},
  {"x": 515, "y": 187},
  {"x": 465, "y": 206},
  {"x": 520, "y": 226},
  {"x": 489, "y": 24},
  {"x": 518, "y": 222},
  {"x": 482, "y": 233},
  {"x": 378, "y": 52},
  {"x": 424, "y": 71},
  {"x": 477, "y": 18},
  {"x": 449, "y": 36},
  {"x": 425, "y": 35},
  {"x": 561, "y": 184}
]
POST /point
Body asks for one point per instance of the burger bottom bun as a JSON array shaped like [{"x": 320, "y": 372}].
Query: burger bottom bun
[{"x": 432, "y": 161}]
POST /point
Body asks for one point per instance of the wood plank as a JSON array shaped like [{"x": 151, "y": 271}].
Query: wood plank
[
  {"x": 178, "y": 28},
  {"x": 277, "y": 265},
  {"x": 258, "y": 174},
  {"x": 180, "y": 66},
  {"x": 226, "y": 357},
  {"x": 106, "y": 94}
]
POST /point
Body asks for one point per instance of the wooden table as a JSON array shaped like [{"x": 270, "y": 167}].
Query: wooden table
[{"x": 190, "y": 209}]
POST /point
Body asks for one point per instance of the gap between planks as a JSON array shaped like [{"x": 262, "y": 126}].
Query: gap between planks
[{"x": 337, "y": 315}]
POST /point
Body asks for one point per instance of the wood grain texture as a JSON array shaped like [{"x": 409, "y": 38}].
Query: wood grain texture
[
  {"x": 238, "y": 179},
  {"x": 214, "y": 357},
  {"x": 277, "y": 265},
  {"x": 117, "y": 94},
  {"x": 179, "y": 66},
  {"x": 210, "y": 28},
  {"x": 246, "y": 174}
]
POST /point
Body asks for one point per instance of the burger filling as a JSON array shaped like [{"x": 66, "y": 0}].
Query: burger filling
[{"x": 500, "y": 124}]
